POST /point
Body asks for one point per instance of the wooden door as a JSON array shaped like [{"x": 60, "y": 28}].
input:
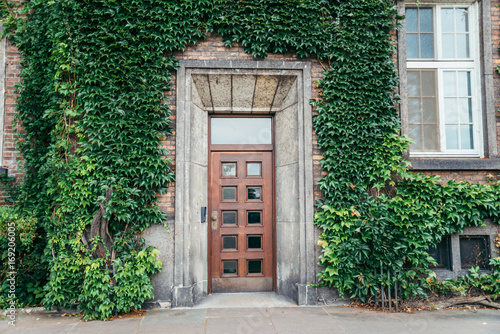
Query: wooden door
[{"x": 241, "y": 221}]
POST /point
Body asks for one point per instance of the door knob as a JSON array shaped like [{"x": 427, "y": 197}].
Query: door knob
[{"x": 214, "y": 220}]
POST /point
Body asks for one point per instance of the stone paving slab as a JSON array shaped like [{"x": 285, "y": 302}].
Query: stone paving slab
[
  {"x": 304, "y": 320},
  {"x": 287, "y": 320},
  {"x": 254, "y": 312},
  {"x": 355, "y": 320},
  {"x": 42, "y": 324},
  {"x": 245, "y": 299},
  {"x": 167, "y": 317},
  {"x": 464, "y": 321},
  {"x": 119, "y": 326},
  {"x": 172, "y": 329},
  {"x": 239, "y": 320},
  {"x": 247, "y": 325}
]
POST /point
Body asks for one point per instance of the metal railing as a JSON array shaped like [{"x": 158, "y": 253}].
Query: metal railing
[{"x": 389, "y": 295}]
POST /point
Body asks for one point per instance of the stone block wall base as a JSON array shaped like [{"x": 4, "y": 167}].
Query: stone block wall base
[
  {"x": 152, "y": 305},
  {"x": 183, "y": 296},
  {"x": 307, "y": 295}
]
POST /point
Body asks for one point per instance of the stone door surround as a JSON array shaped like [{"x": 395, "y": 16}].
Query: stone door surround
[{"x": 282, "y": 89}]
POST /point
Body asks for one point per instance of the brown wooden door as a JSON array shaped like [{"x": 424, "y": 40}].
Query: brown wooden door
[{"x": 241, "y": 221}]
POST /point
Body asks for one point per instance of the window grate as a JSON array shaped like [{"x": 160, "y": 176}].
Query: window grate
[{"x": 474, "y": 251}]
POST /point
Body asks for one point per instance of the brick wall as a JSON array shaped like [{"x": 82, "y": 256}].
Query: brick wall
[
  {"x": 212, "y": 48},
  {"x": 12, "y": 71},
  {"x": 495, "y": 40},
  {"x": 11, "y": 159}
]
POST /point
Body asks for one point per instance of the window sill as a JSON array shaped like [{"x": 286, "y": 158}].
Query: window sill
[
  {"x": 445, "y": 155},
  {"x": 441, "y": 270},
  {"x": 435, "y": 164}
]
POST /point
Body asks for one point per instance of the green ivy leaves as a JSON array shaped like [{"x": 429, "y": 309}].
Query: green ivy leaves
[
  {"x": 93, "y": 109},
  {"x": 374, "y": 212},
  {"x": 276, "y": 26}
]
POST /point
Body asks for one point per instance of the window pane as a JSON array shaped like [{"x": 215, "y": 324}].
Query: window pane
[
  {"x": 229, "y": 193},
  {"x": 413, "y": 84},
  {"x": 429, "y": 110},
  {"x": 450, "y": 110},
  {"x": 229, "y": 169},
  {"x": 229, "y": 242},
  {"x": 426, "y": 20},
  {"x": 466, "y": 137},
  {"x": 464, "y": 110},
  {"x": 426, "y": 46},
  {"x": 254, "y": 266},
  {"x": 414, "y": 114},
  {"x": 416, "y": 135},
  {"x": 253, "y": 169},
  {"x": 411, "y": 20},
  {"x": 229, "y": 218},
  {"x": 430, "y": 138},
  {"x": 412, "y": 46},
  {"x": 229, "y": 267},
  {"x": 463, "y": 83},
  {"x": 241, "y": 131},
  {"x": 254, "y": 217},
  {"x": 449, "y": 84},
  {"x": 428, "y": 83},
  {"x": 253, "y": 193},
  {"x": 462, "y": 45},
  {"x": 469, "y": 91},
  {"x": 462, "y": 20},
  {"x": 470, "y": 111},
  {"x": 447, "y": 20},
  {"x": 448, "y": 45},
  {"x": 254, "y": 242},
  {"x": 452, "y": 137}
]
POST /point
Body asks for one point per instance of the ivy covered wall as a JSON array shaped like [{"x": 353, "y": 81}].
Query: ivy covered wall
[{"x": 96, "y": 126}]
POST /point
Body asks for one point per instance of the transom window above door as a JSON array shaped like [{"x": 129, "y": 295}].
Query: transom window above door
[
  {"x": 443, "y": 80},
  {"x": 241, "y": 131}
]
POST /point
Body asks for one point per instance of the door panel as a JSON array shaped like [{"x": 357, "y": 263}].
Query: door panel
[{"x": 241, "y": 204}]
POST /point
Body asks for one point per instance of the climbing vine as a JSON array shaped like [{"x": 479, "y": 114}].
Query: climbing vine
[
  {"x": 92, "y": 107},
  {"x": 375, "y": 215},
  {"x": 93, "y": 111}
]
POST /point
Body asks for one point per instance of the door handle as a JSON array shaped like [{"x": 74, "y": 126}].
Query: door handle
[{"x": 214, "y": 220}]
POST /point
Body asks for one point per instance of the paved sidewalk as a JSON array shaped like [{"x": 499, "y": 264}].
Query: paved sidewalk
[{"x": 321, "y": 319}]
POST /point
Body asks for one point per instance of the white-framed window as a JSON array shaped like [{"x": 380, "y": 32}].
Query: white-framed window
[{"x": 443, "y": 78}]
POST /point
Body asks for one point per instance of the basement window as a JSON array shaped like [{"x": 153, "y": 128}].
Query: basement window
[
  {"x": 442, "y": 253},
  {"x": 474, "y": 251}
]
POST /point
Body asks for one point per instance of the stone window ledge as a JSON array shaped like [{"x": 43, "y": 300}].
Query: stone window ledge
[{"x": 421, "y": 164}]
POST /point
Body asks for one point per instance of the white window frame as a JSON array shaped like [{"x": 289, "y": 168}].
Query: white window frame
[{"x": 458, "y": 64}]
